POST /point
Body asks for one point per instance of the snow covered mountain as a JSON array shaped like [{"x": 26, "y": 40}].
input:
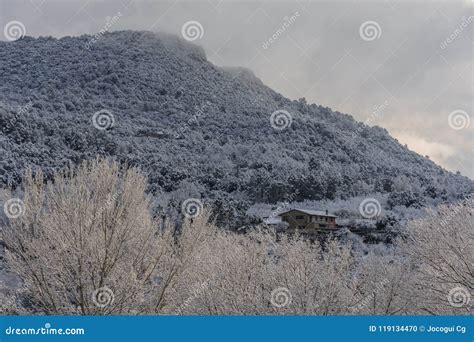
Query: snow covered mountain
[{"x": 198, "y": 130}]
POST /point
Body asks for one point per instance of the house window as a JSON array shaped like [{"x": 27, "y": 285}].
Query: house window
[
  {"x": 300, "y": 217},
  {"x": 326, "y": 219},
  {"x": 285, "y": 218}
]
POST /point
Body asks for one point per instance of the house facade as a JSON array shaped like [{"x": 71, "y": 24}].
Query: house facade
[{"x": 308, "y": 221}]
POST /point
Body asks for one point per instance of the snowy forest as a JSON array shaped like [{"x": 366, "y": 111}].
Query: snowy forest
[
  {"x": 100, "y": 227},
  {"x": 87, "y": 244}
]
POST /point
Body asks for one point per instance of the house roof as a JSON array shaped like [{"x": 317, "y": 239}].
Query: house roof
[{"x": 309, "y": 212}]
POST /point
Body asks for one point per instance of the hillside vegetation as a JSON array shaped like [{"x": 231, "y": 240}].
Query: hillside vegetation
[
  {"x": 86, "y": 244},
  {"x": 196, "y": 130}
]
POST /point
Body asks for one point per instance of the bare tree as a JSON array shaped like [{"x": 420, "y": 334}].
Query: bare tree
[
  {"x": 86, "y": 243},
  {"x": 383, "y": 285},
  {"x": 441, "y": 248}
]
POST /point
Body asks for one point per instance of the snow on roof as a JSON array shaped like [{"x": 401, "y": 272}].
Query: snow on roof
[
  {"x": 272, "y": 220},
  {"x": 309, "y": 212}
]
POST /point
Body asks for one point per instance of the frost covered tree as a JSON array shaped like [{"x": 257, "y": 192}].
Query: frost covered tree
[
  {"x": 383, "y": 285},
  {"x": 440, "y": 246},
  {"x": 86, "y": 243}
]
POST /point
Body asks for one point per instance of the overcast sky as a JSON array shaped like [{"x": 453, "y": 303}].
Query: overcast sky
[{"x": 405, "y": 66}]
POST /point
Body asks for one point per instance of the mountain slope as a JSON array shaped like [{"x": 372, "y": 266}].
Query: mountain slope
[{"x": 197, "y": 129}]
